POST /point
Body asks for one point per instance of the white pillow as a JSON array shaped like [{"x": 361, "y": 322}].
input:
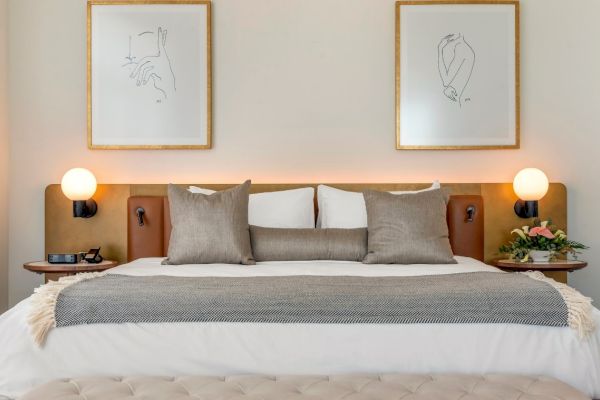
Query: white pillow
[
  {"x": 285, "y": 209},
  {"x": 342, "y": 209}
]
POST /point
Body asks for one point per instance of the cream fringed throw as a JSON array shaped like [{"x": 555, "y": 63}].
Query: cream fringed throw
[
  {"x": 43, "y": 304},
  {"x": 579, "y": 306},
  {"x": 476, "y": 298}
]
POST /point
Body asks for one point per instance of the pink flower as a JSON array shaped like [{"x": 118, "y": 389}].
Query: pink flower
[{"x": 542, "y": 231}]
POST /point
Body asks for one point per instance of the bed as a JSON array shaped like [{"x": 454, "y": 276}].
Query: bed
[
  {"x": 236, "y": 348},
  {"x": 239, "y": 348}
]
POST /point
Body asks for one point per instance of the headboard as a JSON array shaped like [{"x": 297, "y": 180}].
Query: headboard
[
  {"x": 108, "y": 228},
  {"x": 149, "y": 231}
]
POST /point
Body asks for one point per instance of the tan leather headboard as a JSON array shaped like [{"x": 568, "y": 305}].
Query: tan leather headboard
[
  {"x": 149, "y": 237},
  {"x": 108, "y": 228}
]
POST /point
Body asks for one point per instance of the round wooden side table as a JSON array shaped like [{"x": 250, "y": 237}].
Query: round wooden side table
[
  {"x": 556, "y": 270},
  {"x": 53, "y": 272}
]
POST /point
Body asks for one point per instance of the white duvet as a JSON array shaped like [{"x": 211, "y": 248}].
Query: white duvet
[{"x": 254, "y": 348}]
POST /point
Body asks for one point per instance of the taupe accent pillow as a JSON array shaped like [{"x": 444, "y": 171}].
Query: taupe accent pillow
[
  {"x": 209, "y": 229},
  {"x": 275, "y": 244},
  {"x": 407, "y": 228}
]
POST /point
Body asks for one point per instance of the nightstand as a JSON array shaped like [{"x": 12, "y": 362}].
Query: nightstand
[
  {"x": 556, "y": 270},
  {"x": 53, "y": 272}
]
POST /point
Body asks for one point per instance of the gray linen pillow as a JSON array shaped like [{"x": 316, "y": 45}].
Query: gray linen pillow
[
  {"x": 209, "y": 229},
  {"x": 407, "y": 228},
  {"x": 275, "y": 244}
]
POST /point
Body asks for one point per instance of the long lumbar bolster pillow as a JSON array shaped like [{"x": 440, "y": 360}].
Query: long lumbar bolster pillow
[{"x": 274, "y": 244}]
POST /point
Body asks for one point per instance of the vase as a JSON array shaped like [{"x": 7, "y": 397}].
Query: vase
[{"x": 540, "y": 256}]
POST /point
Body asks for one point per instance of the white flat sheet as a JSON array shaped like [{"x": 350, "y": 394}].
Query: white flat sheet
[{"x": 251, "y": 348}]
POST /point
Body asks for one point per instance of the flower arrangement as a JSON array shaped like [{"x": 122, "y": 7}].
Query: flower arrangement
[{"x": 542, "y": 236}]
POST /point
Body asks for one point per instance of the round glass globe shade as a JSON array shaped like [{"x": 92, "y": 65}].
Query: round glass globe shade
[
  {"x": 530, "y": 184},
  {"x": 78, "y": 184}
]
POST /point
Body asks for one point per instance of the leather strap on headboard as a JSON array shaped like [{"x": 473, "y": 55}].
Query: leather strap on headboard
[{"x": 149, "y": 237}]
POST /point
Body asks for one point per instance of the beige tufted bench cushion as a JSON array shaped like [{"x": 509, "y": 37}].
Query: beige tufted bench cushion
[{"x": 347, "y": 387}]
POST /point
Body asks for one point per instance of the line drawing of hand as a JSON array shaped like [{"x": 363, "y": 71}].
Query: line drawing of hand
[
  {"x": 156, "y": 68},
  {"x": 456, "y": 61},
  {"x": 451, "y": 93}
]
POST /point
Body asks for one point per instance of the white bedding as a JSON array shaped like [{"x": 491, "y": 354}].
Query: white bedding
[{"x": 252, "y": 348}]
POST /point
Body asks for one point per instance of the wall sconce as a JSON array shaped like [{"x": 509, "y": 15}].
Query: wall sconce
[
  {"x": 79, "y": 185},
  {"x": 530, "y": 184}
]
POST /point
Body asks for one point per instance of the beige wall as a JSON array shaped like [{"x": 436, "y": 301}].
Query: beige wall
[
  {"x": 3, "y": 155},
  {"x": 303, "y": 91}
]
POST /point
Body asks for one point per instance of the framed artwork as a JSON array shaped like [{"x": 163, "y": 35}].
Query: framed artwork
[
  {"x": 457, "y": 75},
  {"x": 149, "y": 74}
]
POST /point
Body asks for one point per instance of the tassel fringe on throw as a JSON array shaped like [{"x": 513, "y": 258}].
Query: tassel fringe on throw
[
  {"x": 578, "y": 305},
  {"x": 43, "y": 304}
]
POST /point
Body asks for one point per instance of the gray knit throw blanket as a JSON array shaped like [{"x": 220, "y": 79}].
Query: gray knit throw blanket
[{"x": 478, "y": 297}]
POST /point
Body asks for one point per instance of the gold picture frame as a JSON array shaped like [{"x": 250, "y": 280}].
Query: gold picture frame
[
  {"x": 208, "y": 98},
  {"x": 398, "y": 41}
]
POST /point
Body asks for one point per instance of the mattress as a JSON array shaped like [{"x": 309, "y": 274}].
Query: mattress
[{"x": 168, "y": 349}]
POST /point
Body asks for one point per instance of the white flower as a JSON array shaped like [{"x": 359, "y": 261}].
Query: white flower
[
  {"x": 519, "y": 232},
  {"x": 560, "y": 234}
]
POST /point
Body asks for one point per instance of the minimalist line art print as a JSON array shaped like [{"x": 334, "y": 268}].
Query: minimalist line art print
[
  {"x": 457, "y": 74},
  {"x": 456, "y": 61},
  {"x": 154, "y": 68},
  {"x": 149, "y": 74}
]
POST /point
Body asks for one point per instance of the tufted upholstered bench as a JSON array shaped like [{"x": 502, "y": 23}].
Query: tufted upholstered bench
[{"x": 348, "y": 387}]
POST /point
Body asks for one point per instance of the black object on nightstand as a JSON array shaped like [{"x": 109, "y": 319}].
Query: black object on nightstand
[{"x": 63, "y": 258}]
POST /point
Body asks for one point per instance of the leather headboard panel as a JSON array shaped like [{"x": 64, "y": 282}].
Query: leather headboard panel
[
  {"x": 466, "y": 227},
  {"x": 146, "y": 240},
  {"x": 465, "y": 224}
]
